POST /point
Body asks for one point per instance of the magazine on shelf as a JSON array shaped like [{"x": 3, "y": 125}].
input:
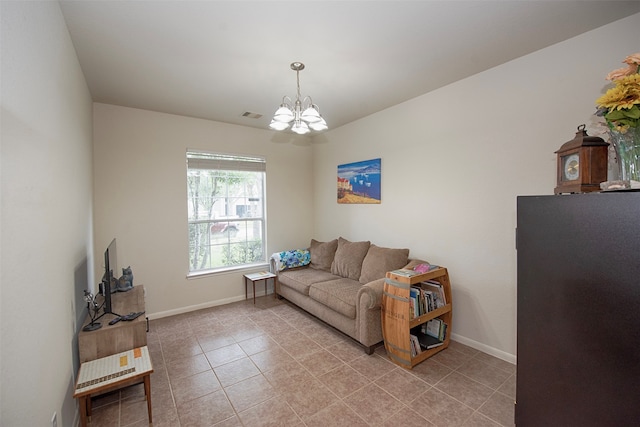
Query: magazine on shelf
[{"x": 405, "y": 272}]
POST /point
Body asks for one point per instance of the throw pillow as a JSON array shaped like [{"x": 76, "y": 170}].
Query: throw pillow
[
  {"x": 348, "y": 259},
  {"x": 322, "y": 254},
  {"x": 379, "y": 260}
]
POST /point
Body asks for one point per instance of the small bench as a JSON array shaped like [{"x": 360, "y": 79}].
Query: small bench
[
  {"x": 112, "y": 373},
  {"x": 256, "y": 277}
]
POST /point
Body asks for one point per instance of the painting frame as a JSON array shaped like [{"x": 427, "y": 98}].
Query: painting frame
[{"x": 360, "y": 182}]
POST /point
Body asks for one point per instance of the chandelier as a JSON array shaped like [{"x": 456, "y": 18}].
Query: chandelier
[{"x": 302, "y": 116}]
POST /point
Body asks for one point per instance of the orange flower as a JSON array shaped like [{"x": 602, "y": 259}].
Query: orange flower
[
  {"x": 622, "y": 72},
  {"x": 632, "y": 60}
]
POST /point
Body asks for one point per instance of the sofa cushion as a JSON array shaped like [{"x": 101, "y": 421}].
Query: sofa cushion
[
  {"x": 339, "y": 295},
  {"x": 379, "y": 260},
  {"x": 322, "y": 254},
  {"x": 301, "y": 278},
  {"x": 347, "y": 262}
]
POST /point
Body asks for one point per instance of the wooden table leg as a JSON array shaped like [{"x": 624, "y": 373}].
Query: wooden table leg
[
  {"x": 246, "y": 289},
  {"x": 275, "y": 285},
  {"x": 83, "y": 410},
  {"x": 254, "y": 291},
  {"x": 147, "y": 392}
]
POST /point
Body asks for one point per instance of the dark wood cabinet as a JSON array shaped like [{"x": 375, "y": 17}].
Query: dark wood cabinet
[{"x": 578, "y": 344}]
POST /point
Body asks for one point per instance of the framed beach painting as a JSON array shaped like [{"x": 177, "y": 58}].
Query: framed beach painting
[{"x": 359, "y": 182}]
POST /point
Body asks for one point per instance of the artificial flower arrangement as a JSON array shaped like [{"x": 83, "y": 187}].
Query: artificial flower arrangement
[{"x": 620, "y": 105}]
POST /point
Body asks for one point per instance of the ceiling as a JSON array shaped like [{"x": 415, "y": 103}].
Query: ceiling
[{"x": 219, "y": 59}]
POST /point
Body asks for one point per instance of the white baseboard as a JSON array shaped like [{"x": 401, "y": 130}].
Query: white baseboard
[
  {"x": 507, "y": 357},
  {"x": 209, "y": 304}
]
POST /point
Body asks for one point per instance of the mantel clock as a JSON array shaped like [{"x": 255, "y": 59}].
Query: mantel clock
[{"x": 582, "y": 164}]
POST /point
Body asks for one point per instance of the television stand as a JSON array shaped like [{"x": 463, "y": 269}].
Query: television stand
[
  {"x": 119, "y": 337},
  {"x": 107, "y": 312}
]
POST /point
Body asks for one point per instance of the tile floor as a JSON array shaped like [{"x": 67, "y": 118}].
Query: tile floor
[{"x": 274, "y": 365}]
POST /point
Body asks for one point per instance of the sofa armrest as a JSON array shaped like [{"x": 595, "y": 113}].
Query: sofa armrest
[
  {"x": 368, "y": 314},
  {"x": 370, "y": 294}
]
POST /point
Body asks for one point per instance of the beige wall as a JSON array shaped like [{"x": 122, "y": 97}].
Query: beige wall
[
  {"x": 141, "y": 199},
  {"x": 45, "y": 215},
  {"x": 454, "y": 161}
]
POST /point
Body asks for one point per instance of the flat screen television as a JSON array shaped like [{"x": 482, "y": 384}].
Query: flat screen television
[{"x": 108, "y": 280}]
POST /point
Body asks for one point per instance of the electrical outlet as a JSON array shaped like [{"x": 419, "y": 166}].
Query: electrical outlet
[{"x": 54, "y": 420}]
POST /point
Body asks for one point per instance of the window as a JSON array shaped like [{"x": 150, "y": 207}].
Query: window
[{"x": 226, "y": 211}]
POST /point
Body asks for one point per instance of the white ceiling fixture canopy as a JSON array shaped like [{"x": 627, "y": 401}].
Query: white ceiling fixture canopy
[{"x": 303, "y": 115}]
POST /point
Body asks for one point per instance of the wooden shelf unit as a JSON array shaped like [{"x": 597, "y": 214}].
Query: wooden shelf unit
[
  {"x": 397, "y": 321},
  {"x": 123, "y": 336}
]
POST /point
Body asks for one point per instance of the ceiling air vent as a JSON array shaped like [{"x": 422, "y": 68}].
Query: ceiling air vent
[{"x": 251, "y": 115}]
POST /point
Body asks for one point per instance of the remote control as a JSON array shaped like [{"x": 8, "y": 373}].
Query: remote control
[
  {"x": 132, "y": 316},
  {"x": 115, "y": 320}
]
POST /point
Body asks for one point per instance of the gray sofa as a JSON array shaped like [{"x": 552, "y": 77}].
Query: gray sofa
[{"x": 342, "y": 285}]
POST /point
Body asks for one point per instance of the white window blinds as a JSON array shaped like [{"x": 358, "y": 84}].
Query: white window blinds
[{"x": 199, "y": 160}]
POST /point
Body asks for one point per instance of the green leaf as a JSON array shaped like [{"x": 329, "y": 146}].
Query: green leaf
[
  {"x": 633, "y": 113},
  {"x": 615, "y": 115}
]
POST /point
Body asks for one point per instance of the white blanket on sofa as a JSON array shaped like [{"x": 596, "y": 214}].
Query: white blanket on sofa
[{"x": 290, "y": 259}]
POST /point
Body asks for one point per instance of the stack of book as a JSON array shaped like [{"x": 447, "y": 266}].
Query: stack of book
[
  {"x": 425, "y": 297},
  {"x": 428, "y": 336}
]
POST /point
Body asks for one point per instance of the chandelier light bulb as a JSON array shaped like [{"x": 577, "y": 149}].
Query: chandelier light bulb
[
  {"x": 319, "y": 126},
  {"x": 283, "y": 114},
  {"x": 276, "y": 125},
  {"x": 311, "y": 115},
  {"x": 300, "y": 128}
]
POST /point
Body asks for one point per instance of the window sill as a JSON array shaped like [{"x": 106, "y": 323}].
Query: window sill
[{"x": 227, "y": 270}]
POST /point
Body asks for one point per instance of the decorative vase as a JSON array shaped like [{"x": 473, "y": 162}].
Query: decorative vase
[{"x": 627, "y": 147}]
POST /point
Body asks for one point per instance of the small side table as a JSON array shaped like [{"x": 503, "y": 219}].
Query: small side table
[
  {"x": 256, "y": 277},
  {"x": 111, "y": 373}
]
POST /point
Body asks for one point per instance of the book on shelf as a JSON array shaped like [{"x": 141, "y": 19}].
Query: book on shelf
[
  {"x": 438, "y": 291},
  {"x": 405, "y": 272},
  {"x": 416, "y": 302},
  {"x": 413, "y": 304},
  {"x": 429, "y": 300},
  {"x": 415, "y": 345},
  {"x": 428, "y": 342},
  {"x": 432, "y": 328},
  {"x": 423, "y": 301},
  {"x": 435, "y": 328}
]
